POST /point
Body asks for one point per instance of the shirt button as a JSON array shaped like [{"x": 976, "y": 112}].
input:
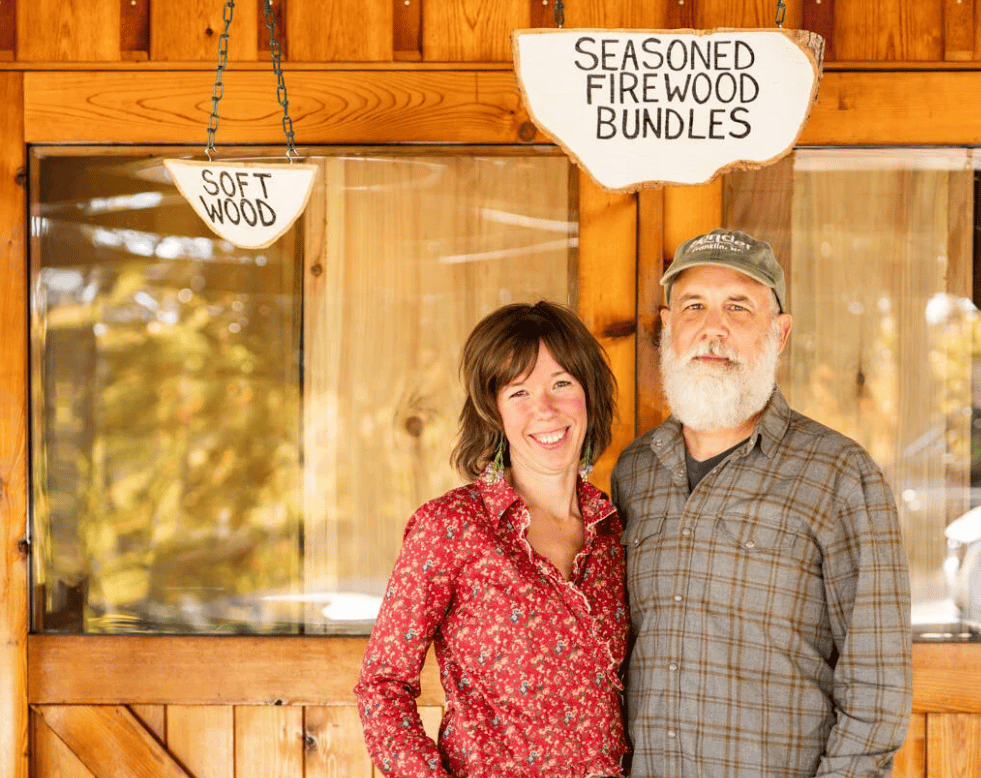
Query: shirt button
[
  {"x": 672, "y": 666},
  {"x": 671, "y": 734},
  {"x": 678, "y": 598},
  {"x": 686, "y": 532},
  {"x": 750, "y": 544},
  {"x": 636, "y": 543}
]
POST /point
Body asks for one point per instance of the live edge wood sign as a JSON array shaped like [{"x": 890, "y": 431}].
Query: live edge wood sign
[
  {"x": 249, "y": 204},
  {"x": 640, "y": 108}
]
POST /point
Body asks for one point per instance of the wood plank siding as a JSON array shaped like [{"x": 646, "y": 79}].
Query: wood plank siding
[{"x": 108, "y": 72}]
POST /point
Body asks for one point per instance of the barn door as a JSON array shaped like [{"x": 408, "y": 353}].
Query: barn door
[{"x": 226, "y": 443}]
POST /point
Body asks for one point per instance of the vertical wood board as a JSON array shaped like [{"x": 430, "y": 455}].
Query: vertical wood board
[
  {"x": 340, "y": 30},
  {"x": 13, "y": 433},
  {"x": 189, "y": 31},
  {"x": 608, "y": 299},
  {"x": 202, "y": 738},
  {"x": 652, "y": 407},
  {"x": 334, "y": 743},
  {"x": 953, "y": 743},
  {"x": 68, "y": 31},
  {"x": 268, "y": 741},
  {"x": 910, "y": 761},
  {"x": 471, "y": 30},
  {"x": 904, "y": 30}
]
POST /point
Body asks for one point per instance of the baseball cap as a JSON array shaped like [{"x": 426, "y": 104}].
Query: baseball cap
[{"x": 733, "y": 249}]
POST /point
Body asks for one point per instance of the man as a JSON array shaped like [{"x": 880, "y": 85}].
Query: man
[{"x": 768, "y": 584}]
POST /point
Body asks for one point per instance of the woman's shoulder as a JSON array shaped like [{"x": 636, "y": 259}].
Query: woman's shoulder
[{"x": 461, "y": 507}]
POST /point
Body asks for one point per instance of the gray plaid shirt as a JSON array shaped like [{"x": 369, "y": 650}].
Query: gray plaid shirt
[{"x": 770, "y": 606}]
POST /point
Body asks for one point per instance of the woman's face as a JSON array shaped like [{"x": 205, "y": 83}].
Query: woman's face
[{"x": 544, "y": 415}]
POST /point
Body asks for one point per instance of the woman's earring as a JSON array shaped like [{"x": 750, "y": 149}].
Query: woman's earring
[
  {"x": 495, "y": 470},
  {"x": 586, "y": 465}
]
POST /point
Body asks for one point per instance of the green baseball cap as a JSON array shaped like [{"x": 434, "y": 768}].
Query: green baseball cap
[{"x": 733, "y": 249}]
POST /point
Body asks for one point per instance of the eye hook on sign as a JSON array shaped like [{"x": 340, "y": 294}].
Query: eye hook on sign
[
  {"x": 559, "y": 14},
  {"x": 781, "y": 13}
]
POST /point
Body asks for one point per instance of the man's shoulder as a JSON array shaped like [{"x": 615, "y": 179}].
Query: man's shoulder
[
  {"x": 807, "y": 434},
  {"x": 639, "y": 449}
]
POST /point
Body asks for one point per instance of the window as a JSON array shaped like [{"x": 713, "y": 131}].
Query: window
[
  {"x": 231, "y": 441},
  {"x": 879, "y": 245}
]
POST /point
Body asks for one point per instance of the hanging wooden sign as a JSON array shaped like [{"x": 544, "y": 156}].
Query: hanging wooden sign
[
  {"x": 638, "y": 108},
  {"x": 248, "y": 204}
]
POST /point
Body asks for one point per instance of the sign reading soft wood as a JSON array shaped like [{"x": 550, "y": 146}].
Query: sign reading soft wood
[
  {"x": 641, "y": 108},
  {"x": 250, "y": 204}
]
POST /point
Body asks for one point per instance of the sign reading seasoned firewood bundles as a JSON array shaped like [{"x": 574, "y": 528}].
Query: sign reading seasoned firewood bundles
[{"x": 644, "y": 108}]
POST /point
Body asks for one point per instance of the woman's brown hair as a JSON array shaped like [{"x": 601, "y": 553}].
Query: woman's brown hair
[{"x": 504, "y": 346}]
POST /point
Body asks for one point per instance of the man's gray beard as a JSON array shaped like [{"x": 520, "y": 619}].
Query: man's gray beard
[{"x": 710, "y": 397}]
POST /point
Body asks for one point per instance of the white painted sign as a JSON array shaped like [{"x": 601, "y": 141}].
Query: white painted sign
[
  {"x": 638, "y": 108},
  {"x": 250, "y": 204}
]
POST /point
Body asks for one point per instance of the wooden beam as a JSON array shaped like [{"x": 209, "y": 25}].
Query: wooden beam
[
  {"x": 946, "y": 678},
  {"x": 651, "y": 405},
  {"x": 111, "y": 742},
  {"x": 891, "y": 109},
  {"x": 13, "y": 432},
  {"x": 327, "y": 107},
  {"x": 438, "y": 106},
  {"x": 690, "y": 211},
  {"x": 608, "y": 298},
  {"x": 111, "y": 670}
]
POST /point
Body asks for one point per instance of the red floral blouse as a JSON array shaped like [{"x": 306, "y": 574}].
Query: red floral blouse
[{"x": 528, "y": 661}]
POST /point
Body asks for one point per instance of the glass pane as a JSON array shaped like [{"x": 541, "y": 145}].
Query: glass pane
[
  {"x": 409, "y": 253},
  {"x": 231, "y": 441},
  {"x": 878, "y": 247},
  {"x": 166, "y": 445}
]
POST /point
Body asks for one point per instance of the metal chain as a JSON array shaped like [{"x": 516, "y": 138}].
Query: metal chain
[
  {"x": 781, "y": 12},
  {"x": 559, "y": 13},
  {"x": 219, "y": 91},
  {"x": 281, "y": 95}
]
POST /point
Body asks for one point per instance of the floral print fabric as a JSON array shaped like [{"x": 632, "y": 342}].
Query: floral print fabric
[{"x": 528, "y": 660}]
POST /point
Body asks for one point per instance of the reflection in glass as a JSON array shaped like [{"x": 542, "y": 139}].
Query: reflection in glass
[
  {"x": 231, "y": 441},
  {"x": 166, "y": 410},
  {"x": 879, "y": 249}
]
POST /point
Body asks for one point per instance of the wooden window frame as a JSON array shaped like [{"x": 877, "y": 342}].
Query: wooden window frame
[{"x": 623, "y": 242}]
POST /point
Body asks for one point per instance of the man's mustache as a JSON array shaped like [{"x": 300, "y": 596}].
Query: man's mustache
[{"x": 713, "y": 348}]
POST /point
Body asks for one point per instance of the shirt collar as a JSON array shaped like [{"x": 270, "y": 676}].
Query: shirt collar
[
  {"x": 769, "y": 431},
  {"x": 772, "y": 424},
  {"x": 499, "y": 496}
]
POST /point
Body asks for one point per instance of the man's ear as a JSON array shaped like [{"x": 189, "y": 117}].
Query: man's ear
[
  {"x": 665, "y": 314},
  {"x": 785, "y": 322}
]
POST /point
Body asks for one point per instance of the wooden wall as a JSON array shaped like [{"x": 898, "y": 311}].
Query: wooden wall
[
  {"x": 904, "y": 32},
  {"x": 904, "y": 71}
]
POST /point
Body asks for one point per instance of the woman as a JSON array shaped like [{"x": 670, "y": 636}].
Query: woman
[{"x": 516, "y": 577}]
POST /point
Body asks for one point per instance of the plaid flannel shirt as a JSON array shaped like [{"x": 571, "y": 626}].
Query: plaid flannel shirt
[{"x": 770, "y": 605}]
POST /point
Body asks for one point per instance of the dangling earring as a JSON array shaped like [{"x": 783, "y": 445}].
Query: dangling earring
[
  {"x": 495, "y": 470},
  {"x": 586, "y": 465}
]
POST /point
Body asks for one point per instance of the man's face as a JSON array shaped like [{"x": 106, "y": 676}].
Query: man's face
[
  {"x": 719, "y": 348},
  {"x": 721, "y": 305}
]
